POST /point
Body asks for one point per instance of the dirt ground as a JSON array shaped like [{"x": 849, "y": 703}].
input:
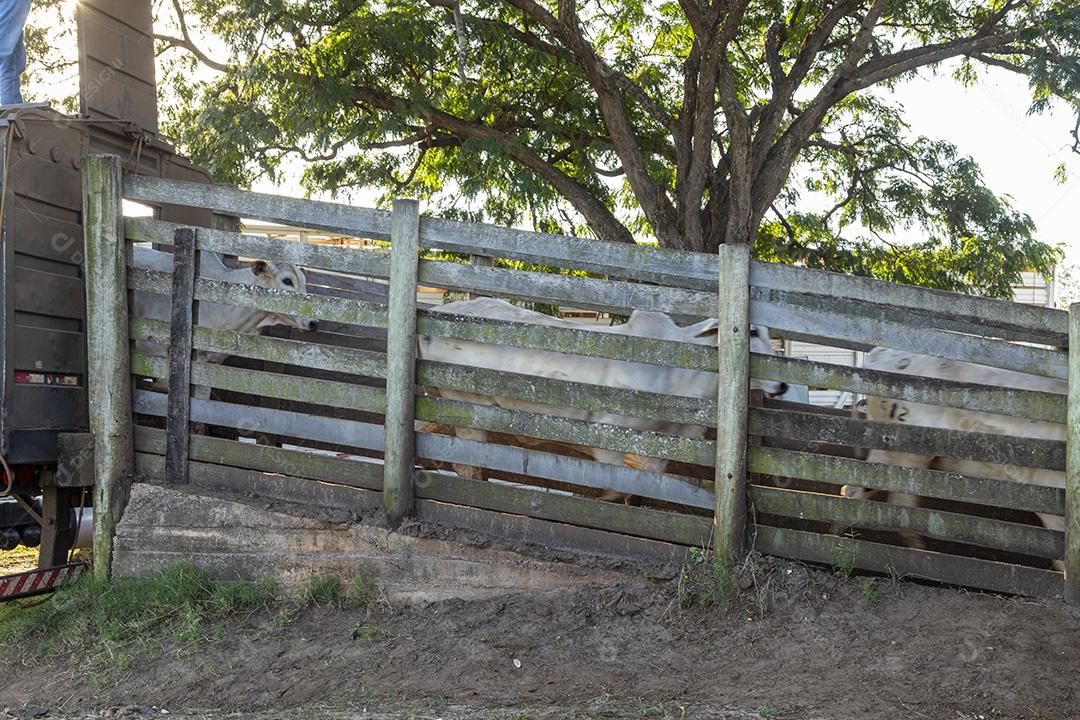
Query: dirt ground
[{"x": 800, "y": 643}]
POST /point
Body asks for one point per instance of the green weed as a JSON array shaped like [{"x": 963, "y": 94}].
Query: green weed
[
  {"x": 844, "y": 555},
  {"x": 320, "y": 590},
  {"x": 869, "y": 591},
  {"x": 114, "y": 623},
  {"x": 705, "y": 580},
  {"x": 363, "y": 591}
]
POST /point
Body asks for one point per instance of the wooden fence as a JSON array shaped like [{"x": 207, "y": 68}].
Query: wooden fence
[{"x": 353, "y": 387}]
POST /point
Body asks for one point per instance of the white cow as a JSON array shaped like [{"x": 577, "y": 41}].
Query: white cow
[
  {"x": 276, "y": 276},
  {"x": 594, "y": 371},
  {"x": 951, "y": 418}
]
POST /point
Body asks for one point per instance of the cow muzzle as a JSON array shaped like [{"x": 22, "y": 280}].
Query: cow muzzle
[{"x": 772, "y": 388}]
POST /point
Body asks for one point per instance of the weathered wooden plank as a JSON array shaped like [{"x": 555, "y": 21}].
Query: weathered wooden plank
[
  {"x": 677, "y": 268},
  {"x": 952, "y": 569},
  {"x": 919, "y": 440},
  {"x": 566, "y": 394},
  {"x": 574, "y": 471},
  {"x": 108, "y": 374},
  {"x": 579, "y": 292},
  {"x": 349, "y": 433},
  {"x": 870, "y": 515},
  {"x": 733, "y": 400},
  {"x": 331, "y": 393},
  {"x": 938, "y": 343},
  {"x": 561, "y": 429},
  {"x": 1047, "y": 322},
  {"x": 311, "y": 214},
  {"x": 896, "y": 478},
  {"x": 280, "y": 350},
  {"x": 401, "y": 362},
  {"x": 521, "y": 530},
  {"x": 909, "y": 317},
  {"x": 343, "y": 310},
  {"x": 570, "y": 341},
  {"x": 184, "y": 317},
  {"x": 613, "y": 517},
  {"x": 295, "y": 463},
  {"x": 1031, "y": 404},
  {"x": 1072, "y": 471},
  {"x": 367, "y": 263},
  {"x": 270, "y": 485}
]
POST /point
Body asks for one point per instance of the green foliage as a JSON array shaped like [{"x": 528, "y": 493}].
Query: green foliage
[
  {"x": 321, "y": 590},
  {"x": 868, "y": 590},
  {"x": 363, "y": 590},
  {"x": 112, "y": 624},
  {"x": 507, "y": 121},
  {"x": 369, "y": 634},
  {"x": 844, "y": 555},
  {"x": 705, "y": 580}
]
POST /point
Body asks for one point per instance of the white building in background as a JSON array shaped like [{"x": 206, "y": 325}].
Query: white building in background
[{"x": 1034, "y": 289}]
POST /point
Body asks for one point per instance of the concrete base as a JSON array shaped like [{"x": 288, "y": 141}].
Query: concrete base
[{"x": 230, "y": 538}]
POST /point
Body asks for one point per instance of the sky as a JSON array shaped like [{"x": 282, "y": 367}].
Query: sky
[{"x": 988, "y": 121}]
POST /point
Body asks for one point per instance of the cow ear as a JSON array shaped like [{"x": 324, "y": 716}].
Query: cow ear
[{"x": 259, "y": 267}]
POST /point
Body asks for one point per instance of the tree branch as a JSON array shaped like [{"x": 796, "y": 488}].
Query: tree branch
[
  {"x": 603, "y": 222},
  {"x": 653, "y": 200},
  {"x": 185, "y": 41}
]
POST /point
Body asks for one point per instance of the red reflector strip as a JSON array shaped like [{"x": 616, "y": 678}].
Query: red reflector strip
[
  {"x": 38, "y": 581},
  {"x": 46, "y": 378}
]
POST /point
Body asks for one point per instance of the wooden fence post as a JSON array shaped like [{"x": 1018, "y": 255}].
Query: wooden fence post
[
  {"x": 401, "y": 361},
  {"x": 732, "y": 400},
  {"x": 108, "y": 352},
  {"x": 1072, "y": 463},
  {"x": 184, "y": 317}
]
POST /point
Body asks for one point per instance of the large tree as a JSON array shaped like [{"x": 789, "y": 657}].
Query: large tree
[{"x": 691, "y": 122}]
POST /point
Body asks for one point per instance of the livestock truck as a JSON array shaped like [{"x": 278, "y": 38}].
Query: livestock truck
[{"x": 45, "y": 450}]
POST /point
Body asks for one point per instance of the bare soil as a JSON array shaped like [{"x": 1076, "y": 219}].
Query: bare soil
[{"x": 798, "y": 643}]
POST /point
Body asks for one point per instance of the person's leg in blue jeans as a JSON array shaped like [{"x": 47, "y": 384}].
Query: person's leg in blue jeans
[{"x": 12, "y": 50}]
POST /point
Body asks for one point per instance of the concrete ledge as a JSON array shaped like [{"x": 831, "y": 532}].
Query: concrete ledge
[{"x": 236, "y": 538}]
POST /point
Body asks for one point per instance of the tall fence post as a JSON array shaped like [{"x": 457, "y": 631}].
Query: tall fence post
[
  {"x": 108, "y": 354},
  {"x": 401, "y": 361},
  {"x": 184, "y": 317},
  {"x": 732, "y": 400},
  {"x": 1072, "y": 463}
]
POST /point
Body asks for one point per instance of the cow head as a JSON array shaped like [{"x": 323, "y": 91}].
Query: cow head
[
  {"x": 708, "y": 333},
  {"x": 282, "y": 276}
]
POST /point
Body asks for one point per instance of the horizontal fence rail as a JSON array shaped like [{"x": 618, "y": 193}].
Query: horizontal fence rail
[
  {"x": 284, "y": 302},
  {"x": 1030, "y": 404},
  {"x": 915, "y": 439},
  {"x": 289, "y": 352}
]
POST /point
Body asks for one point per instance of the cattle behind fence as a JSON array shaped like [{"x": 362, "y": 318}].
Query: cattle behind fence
[{"x": 356, "y": 387}]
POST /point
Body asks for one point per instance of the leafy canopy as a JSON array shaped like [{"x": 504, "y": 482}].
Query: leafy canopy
[{"x": 687, "y": 122}]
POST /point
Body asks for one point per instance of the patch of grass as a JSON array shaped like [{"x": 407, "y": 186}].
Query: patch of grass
[
  {"x": 320, "y": 590},
  {"x": 767, "y": 711},
  {"x": 368, "y": 634},
  {"x": 706, "y": 580},
  {"x": 869, "y": 591},
  {"x": 363, "y": 590},
  {"x": 844, "y": 555},
  {"x": 112, "y": 624}
]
